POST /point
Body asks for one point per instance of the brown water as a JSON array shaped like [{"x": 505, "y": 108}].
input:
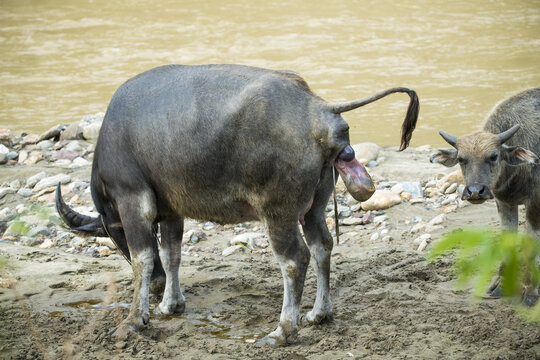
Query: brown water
[{"x": 61, "y": 60}]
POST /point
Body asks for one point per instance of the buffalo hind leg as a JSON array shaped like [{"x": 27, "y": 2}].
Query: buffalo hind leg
[
  {"x": 170, "y": 253},
  {"x": 293, "y": 257},
  {"x": 116, "y": 232},
  {"x": 320, "y": 243},
  {"x": 137, "y": 213}
]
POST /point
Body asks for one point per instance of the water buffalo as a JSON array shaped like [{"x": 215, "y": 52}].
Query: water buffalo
[
  {"x": 502, "y": 160},
  {"x": 225, "y": 143}
]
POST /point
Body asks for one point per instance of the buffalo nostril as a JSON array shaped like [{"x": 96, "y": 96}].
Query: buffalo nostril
[{"x": 347, "y": 154}]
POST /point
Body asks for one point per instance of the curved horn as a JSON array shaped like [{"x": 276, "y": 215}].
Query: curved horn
[
  {"x": 451, "y": 139},
  {"x": 505, "y": 135}
]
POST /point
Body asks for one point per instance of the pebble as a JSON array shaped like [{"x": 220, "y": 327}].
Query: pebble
[
  {"x": 451, "y": 188},
  {"x": 374, "y": 236},
  {"x": 25, "y": 192},
  {"x": 437, "y": 220},
  {"x": 6, "y": 190},
  {"x": 232, "y": 249},
  {"x": 105, "y": 241},
  {"x": 39, "y": 230},
  {"x": 414, "y": 188},
  {"x": 33, "y": 180},
  {"x": 46, "y": 244}
]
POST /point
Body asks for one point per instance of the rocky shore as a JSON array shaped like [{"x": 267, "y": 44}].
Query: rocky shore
[
  {"x": 61, "y": 292},
  {"x": 37, "y": 162}
]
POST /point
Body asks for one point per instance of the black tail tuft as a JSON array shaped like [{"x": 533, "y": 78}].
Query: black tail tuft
[{"x": 77, "y": 221}]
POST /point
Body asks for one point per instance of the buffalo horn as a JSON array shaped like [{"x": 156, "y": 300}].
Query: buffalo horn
[
  {"x": 451, "y": 139},
  {"x": 505, "y": 135}
]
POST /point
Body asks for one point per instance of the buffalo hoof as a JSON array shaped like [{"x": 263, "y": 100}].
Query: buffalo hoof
[
  {"x": 157, "y": 285},
  {"x": 125, "y": 329},
  {"x": 530, "y": 300},
  {"x": 312, "y": 318},
  {"x": 277, "y": 338},
  {"x": 173, "y": 307}
]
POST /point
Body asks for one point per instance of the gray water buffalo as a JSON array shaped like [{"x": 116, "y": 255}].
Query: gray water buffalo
[
  {"x": 502, "y": 160},
  {"x": 229, "y": 144}
]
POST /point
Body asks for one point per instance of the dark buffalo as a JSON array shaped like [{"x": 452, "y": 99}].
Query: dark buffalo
[
  {"x": 502, "y": 160},
  {"x": 229, "y": 144}
]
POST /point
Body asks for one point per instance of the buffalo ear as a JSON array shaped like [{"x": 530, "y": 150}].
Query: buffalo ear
[
  {"x": 446, "y": 157},
  {"x": 517, "y": 154}
]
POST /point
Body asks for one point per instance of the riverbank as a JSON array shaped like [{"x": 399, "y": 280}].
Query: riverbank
[{"x": 61, "y": 292}]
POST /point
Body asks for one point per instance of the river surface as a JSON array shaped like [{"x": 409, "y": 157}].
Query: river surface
[{"x": 61, "y": 60}]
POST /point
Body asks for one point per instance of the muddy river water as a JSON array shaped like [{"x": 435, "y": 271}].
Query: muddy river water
[{"x": 61, "y": 60}]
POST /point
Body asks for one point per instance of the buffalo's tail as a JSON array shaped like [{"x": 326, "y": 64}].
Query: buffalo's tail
[
  {"x": 77, "y": 221},
  {"x": 410, "y": 119}
]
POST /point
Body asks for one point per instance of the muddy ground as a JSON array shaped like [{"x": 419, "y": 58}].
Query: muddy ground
[{"x": 389, "y": 302}]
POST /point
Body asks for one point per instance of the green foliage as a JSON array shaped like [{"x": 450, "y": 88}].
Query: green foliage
[{"x": 480, "y": 254}]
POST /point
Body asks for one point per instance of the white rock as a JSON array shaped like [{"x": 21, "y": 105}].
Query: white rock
[
  {"x": 232, "y": 249},
  {"x": 244, "y": 238},
  {"x": 80, "y": 161},
  {"x": 374, "y": 237},
  {"x": 33, "y": 180},
  {"x": 52, "y": 181},
  {"x": 350, "y": 221},
  {"x": 451, "y": 189},
  {"x": 105, "y": 241},
  {"x": 437, "y": 220},
  {"x": 367, "y": 151},
  {"x": 423, "y": 237}
]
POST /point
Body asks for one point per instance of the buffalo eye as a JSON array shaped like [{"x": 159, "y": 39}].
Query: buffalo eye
[
  {"x": 493, "y": 157},
  {"x": 461, "y": 160}
]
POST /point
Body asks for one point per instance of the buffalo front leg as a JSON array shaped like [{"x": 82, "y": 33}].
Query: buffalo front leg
[
  {"x": 170, "y": 254},
  {"x": 509, "y": 221},
  {"x": 293, "y": 257}
]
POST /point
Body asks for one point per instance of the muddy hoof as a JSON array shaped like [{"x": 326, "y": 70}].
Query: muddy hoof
[
  {"x": 157, "y": 285},
  {"x": 278, "y": 338},
  {"x": 530, "y": 300},
  {"x": 496, "y": 292},
  {"x": 169, "y": 309},
  {"x": 311, "y": 319}
]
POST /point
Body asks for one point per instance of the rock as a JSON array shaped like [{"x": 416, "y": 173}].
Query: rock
[
  {"x": 372, "y": 163},
  {"x": 451, "y": 189},
  {"x": 52, "y": 181},
  {"x": 374, "y": 237},
  {"x": 423, "y": 237},
  {"x": 261, "y": 243},
  {"x": 232, "y": 249},
  {"x": 45, "y": 144},
  {"x": 78, "y": 241},
  {"x": 437, "y": 220},
  {"x": 105, "y": 241},
  {"x": 381, "y": 199},
  {"x": 5, "y": 137},
  {"x": 12, "y": 155},
  {"x": 6, "y": 190},
  {"x": 33, "y": 158},
  {"x": 351, "y": 221},
  {"x": 380, "y": 219},
  {"x": 398, "y": 188},
  {"x": 29, "y": 139},
  {"x": 405, "y": 196},
  {"x": 52, "y": 133},
  {"x": 414, "y": 188},
  {"x": 39, "y": 230},
  {"x": 449, "y": 199},
  {"x": 80, "y": 162},
  {"x": 34, "y": 179},
  {"x": 103, "y": 251},
  {"x": 91, "y": 131},
  {"x": 72, "y": 132},
  {"x": 63, "y": 154},
  {"x": 417, "y": 227},
  {"x": 4, "y": 149},
  {"x": 7, "y": 214},
  {"x": 8, "y": 283},
  {"x": 46, "y": 244},
  {"x": 198, "y": 236},
  {"x": 23, "y": 155},
  {"x": 417, "y": 201},
  {"x": 367, "y": 151},
  {"x": 74, "y": 146},
  {"x": 244, "y": 238}
]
